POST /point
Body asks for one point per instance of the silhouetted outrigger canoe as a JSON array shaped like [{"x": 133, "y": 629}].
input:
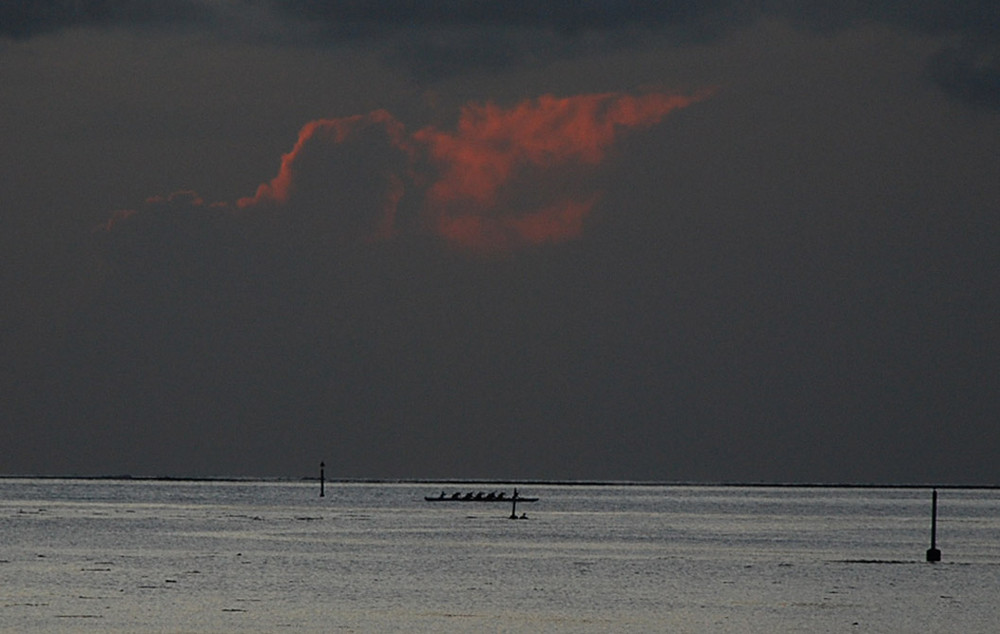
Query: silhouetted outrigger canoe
[{"x": 478, "y": 497}]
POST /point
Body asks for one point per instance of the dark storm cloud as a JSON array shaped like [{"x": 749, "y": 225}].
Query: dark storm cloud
[
  {"x": 34, "y": 17},
  {"x": 431, "y": 40},
  {"x": 685, "y": 19},
  {"x": 970, "y": 72},
  {"x": 360, "y": 18},
  {"x": 928, "y": 16},
  {"x": 437, "y": 39},
  {"x": 566, "y": 17}
]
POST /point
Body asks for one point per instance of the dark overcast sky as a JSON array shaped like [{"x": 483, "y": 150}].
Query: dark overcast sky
[{"x": 725, "y": 240}]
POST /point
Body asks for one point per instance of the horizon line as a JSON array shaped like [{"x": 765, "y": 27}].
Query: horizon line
[{"x": 528, "y": 481}]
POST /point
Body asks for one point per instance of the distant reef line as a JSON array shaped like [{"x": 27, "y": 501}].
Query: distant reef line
[{"x": 502, "y": 481}]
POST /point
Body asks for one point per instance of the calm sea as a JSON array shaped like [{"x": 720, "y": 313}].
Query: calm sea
[{"x": 161, "y": 556}]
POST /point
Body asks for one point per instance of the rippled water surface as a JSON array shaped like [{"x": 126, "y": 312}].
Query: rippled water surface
[{"x": 156, "y": 556}]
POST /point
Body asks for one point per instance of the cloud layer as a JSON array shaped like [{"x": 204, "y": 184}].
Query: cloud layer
[
  {"x": 505, "y": 178},
  {"x": 435, "y": 39}
]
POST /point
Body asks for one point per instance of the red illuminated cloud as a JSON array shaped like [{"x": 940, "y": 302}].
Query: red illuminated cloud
[
  {"x": 504, "y": 178},
  {"x": 503, "y": 174}
]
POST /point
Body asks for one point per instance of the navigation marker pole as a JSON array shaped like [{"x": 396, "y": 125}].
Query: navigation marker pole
[
  {"x": 933, "y": 554},
  {"x": 322, "y": 479}
]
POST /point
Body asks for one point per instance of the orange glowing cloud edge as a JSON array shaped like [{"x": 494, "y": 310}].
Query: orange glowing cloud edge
[
  {"x": 465, "y": 180},
  {"x": 278, "y": 189}
]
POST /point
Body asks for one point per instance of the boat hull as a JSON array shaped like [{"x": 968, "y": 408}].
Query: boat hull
[{"x": 434, "y": 498}]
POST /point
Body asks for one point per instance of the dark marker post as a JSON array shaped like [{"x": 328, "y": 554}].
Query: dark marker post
[
  {"x": 322, "y": 478},
  {"x": 933, "y": 554}
]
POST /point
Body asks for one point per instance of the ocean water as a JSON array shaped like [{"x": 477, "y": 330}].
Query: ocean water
[{"x": 167, "y": 556}]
